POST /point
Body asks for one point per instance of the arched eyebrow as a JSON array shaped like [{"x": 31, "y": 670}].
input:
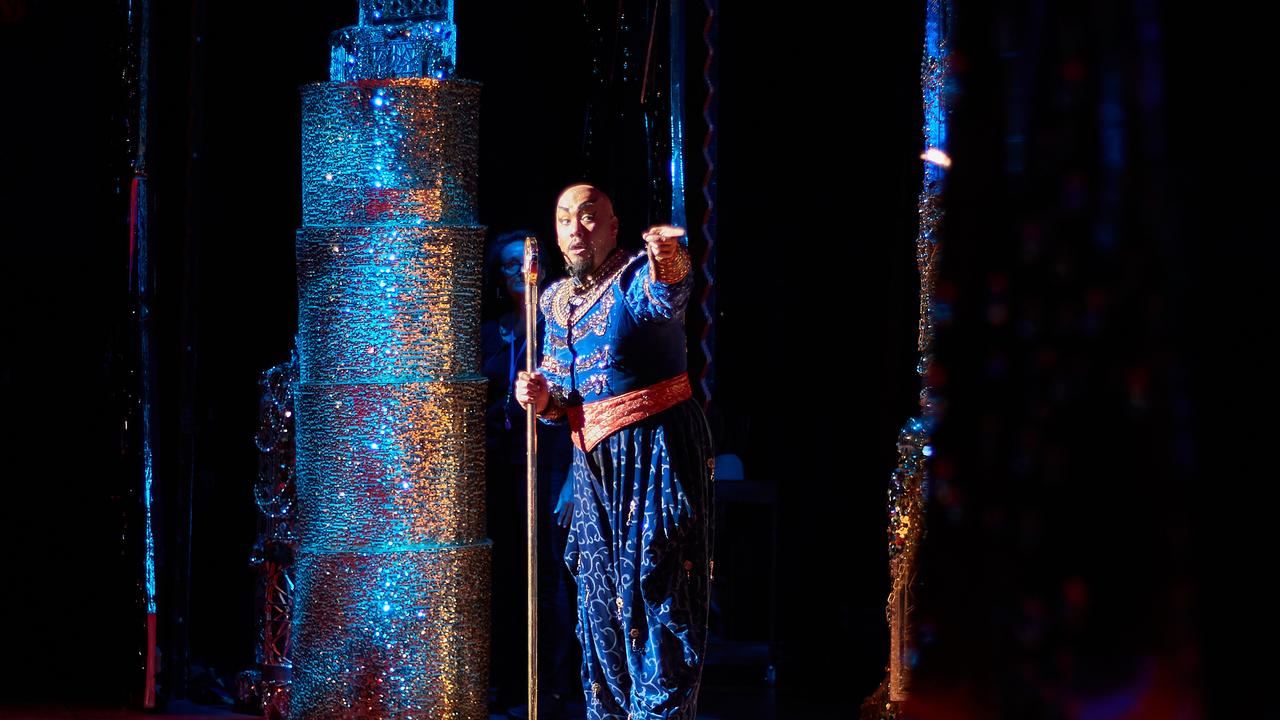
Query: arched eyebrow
[{"x": 584, "y": 205}]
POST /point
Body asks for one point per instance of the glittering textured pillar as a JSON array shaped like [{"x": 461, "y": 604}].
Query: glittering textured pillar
[
  {"x": 392, "y": 593},
  {"x": 908, "y": 484}
]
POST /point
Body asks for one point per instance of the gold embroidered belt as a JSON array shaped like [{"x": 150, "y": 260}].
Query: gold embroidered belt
[{"x": 597, "y": 420}]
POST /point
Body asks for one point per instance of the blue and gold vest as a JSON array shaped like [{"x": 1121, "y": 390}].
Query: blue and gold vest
[{"x": 618, "y": 334}]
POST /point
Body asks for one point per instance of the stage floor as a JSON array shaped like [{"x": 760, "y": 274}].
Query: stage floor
[{"x": 716, "y": 703}]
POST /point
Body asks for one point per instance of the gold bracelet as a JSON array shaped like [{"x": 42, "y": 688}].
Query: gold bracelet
[
  {"x": 553, "y": 411},
  {"x": 674, "y": 269}
]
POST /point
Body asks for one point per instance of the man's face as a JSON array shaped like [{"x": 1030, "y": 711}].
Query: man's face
[{"x": 586, "y": 229}]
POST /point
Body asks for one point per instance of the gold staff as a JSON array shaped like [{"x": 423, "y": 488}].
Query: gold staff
[{"x": 530, "y": 270}]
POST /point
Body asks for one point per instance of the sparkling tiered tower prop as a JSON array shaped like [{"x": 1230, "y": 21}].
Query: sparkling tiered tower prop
[{"x": 391, "y": 612}]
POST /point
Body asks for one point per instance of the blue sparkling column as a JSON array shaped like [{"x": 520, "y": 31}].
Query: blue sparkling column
[{"x": 392, "y": 593}]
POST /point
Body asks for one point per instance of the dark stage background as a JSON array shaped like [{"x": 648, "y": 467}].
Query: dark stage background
[{"x": 1061, "y": 569}]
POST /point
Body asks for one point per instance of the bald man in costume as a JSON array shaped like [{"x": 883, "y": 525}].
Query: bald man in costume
[{"x": 613, "y": 367}]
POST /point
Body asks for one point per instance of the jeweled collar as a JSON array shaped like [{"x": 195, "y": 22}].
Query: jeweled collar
[
  {"x": 578, "y": 297},
  {"x": 601, "y": 275}
]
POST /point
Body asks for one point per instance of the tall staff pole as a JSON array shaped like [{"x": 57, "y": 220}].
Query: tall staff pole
[{"x": 531, "y": 466}]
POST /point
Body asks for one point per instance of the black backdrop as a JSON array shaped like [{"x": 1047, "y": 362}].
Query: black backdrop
[{"x": 818, "y": 175}]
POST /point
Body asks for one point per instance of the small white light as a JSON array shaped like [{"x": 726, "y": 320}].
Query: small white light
[{"x": 937, "y": 157}]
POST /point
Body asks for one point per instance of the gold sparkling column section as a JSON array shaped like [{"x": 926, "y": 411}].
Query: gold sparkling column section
[
  {"x": 400, "y": 152},
  {"x": 398, "y": 303},
  {"x": 385, "y": 466},
  {"x": 374, "y": 618}
]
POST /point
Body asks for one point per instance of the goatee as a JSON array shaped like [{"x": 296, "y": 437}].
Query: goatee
[{"x": 579, "y": 269}]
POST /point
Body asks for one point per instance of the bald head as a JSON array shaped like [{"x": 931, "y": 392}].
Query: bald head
[
  {"x": 586, "y": 228},
  {"x": 575, "y": 195}
]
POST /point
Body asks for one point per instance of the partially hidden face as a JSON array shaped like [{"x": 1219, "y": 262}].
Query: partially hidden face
[{"x": 511, "y": 260}]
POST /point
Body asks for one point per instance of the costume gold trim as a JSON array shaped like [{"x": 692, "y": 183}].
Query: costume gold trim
[{"x": 585, "y": 296}]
